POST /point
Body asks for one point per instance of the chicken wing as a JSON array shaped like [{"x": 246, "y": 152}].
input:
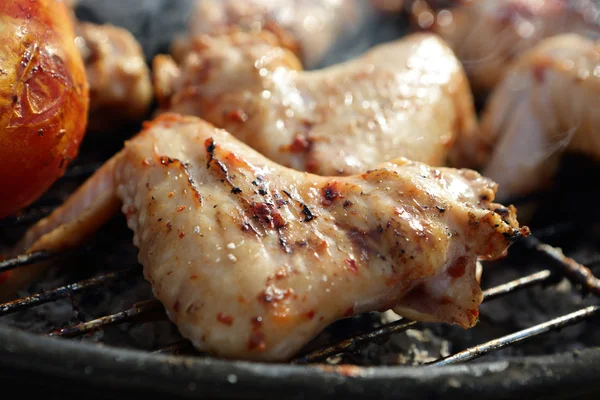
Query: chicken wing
[
  {"x": 487, "y": 35},
  {"x": 252, "y": 260},
  {"x": 407, "y": 98},
  {"x": 547, "y": 104},
  {"x": 119, "y": 78},
  {"x": 309, "y": 28},
  {"x": 117, "y": 73}
]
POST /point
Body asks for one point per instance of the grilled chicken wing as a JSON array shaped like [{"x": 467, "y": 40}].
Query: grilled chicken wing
[
  {"x": 307, "y": 27},
  {"x": 117, "y": 73},
  {"x": 407, "y": 98},
  {"x": 487, "y": 35},
  {"x": 252, "y": 260},
  {"x": 546, "y": 105},
  {"x": 119, "y": 78}
]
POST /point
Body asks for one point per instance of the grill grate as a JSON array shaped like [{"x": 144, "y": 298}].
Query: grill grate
[
  {"x": 25, "y": 259},
  {"x": 525, "y": 334},
  {"x": 559, "y": 268},
  {"x": 63, "y": 291},
  {"x": 129, "y": 315},
  {"x": 401, "y": 325}
]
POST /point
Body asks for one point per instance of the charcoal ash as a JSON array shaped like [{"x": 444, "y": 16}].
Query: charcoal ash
[
  {"x": 524, "y": 309},
  {"x": 412, "y": 347},
  {"x": 111, "y": 251}
]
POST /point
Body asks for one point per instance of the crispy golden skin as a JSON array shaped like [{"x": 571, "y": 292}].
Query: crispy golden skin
[{"x": 43, "y": 99}]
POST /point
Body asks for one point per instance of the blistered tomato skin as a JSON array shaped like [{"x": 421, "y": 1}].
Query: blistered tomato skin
[{"x": 43, "y": 99}]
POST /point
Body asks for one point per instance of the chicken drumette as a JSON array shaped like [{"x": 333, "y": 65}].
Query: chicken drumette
[
  {"x": 118, "y": 75},
  {"x": 406, "y": 98},
  {"x": 309, "y": 28},
  {"x": 487, "y": 35},
  {"x": 547, "y": 104}
]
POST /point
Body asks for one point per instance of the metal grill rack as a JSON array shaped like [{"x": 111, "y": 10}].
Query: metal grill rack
[{"x": 559, "y": 267}]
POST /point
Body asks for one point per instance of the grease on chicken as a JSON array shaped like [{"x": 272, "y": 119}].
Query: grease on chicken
[
  {"x": 547, "y": 104},
  {"x": 487, "y": 35},
  {"x": 119, "y": 78},
  {"x": 406, "y": 98},
  {"x": 252, "y": 260},
  {"x": 309, "y": 28}
]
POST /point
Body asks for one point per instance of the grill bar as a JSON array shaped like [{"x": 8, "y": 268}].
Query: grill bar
[
  {"x": 542, "y": 277},
  {"x": 351, "y": 344},
  {"x": 64, "y": 291},
  {"x": 120, "y": 317},
  {"x": 25, "y": 259},
  {"x": 500, "y": 343},
  {"x": 575, "y": 272}
]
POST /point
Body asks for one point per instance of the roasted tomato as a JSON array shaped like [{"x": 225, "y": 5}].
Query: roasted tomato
[{"x": 43, "y": 99}]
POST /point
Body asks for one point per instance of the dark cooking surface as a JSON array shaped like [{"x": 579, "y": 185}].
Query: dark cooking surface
[
  {"x": 567, "y": 218},
  {"x": 99, "y": 373}
]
